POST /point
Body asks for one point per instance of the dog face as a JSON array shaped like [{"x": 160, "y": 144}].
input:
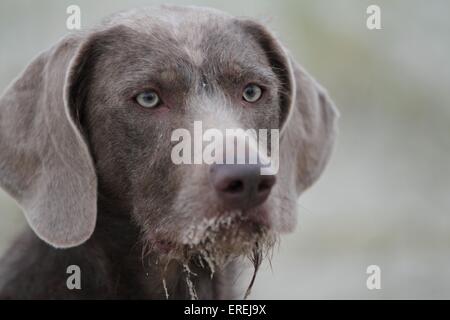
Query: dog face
[{"x": 111, "y": 100}]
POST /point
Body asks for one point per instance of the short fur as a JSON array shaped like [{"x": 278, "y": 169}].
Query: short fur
[{"x": 92, "y": 170}]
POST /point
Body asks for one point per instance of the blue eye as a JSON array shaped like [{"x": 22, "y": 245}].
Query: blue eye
[
  {"x": 148, "y": 99},
  {"x": 252, "y": 93}
]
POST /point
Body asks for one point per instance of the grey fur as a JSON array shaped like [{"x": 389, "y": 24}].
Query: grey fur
[{"x": 75, "y": 146}]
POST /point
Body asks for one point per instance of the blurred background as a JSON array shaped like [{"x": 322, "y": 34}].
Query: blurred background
[{"x": 385, "y": 197}]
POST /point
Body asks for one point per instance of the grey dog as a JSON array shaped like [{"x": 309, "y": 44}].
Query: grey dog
[{"x": 85, "y": 145}]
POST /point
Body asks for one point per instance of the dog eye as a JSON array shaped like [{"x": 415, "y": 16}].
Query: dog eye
[
  {"x": 252, "y": 93},
  {"x": 148, "y": 99}
]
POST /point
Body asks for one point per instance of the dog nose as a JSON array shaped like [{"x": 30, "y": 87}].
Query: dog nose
[{"x": 241, "y": 186}]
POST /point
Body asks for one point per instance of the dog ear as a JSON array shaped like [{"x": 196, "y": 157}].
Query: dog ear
[
  {"x": 45, "y": 163},
  {"x": 308, "y": 119},
  {"x": 311, "y": 128}
]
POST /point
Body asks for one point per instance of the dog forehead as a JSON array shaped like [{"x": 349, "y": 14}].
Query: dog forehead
[
  {"x": 173, "y": 17},
  {"x": 193, "y": 29}
]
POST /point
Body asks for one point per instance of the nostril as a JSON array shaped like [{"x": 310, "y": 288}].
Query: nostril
[
  {"x": 235, "y": 186},
  {"x": 266, "y": 184},
  {"x": 263, "y": 186}
]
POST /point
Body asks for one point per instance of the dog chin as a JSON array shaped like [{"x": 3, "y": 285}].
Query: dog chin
[{"x": 215, "y": 244}]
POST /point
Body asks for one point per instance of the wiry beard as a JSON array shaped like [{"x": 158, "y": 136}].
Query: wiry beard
[{"x": 213, "y": 244}]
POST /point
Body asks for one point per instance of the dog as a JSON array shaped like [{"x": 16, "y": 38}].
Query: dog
[{"x": 85, "y": 140}]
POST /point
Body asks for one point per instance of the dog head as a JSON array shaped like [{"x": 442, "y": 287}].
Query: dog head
[{"x": 95, "y": 116}]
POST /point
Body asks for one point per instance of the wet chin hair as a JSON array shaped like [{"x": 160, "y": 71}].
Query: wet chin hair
[{"x": 220, "y": 244}]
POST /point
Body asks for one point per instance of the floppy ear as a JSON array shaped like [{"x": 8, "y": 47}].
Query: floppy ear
[
  {"x": 308, "y": 116},
  {"x": 45, "y": 164},
  {"x": 311, "y": 128}
]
